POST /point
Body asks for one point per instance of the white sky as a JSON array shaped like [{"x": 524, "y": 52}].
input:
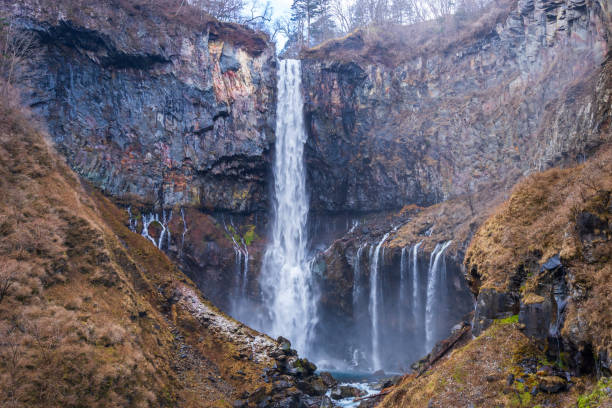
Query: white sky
[{"x": 281, "y": 7}]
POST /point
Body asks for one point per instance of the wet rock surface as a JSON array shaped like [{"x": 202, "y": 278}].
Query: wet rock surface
[
  {"x": 294, "y": 383},
  {"x": 491, "y": 305},
  {"x": 346, "y": 391}
]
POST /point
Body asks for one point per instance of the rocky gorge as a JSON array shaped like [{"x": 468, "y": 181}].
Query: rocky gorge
[{"x": 416, "y": 138}]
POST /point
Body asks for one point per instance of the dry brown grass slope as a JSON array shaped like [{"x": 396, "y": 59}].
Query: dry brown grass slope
[
  {"x": 477, "y": 375},
  {"x": 546, "y": 215},
  {"x": 93, "y": 315}
]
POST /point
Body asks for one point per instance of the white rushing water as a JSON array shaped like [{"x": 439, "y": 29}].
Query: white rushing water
[
  {"x": 403, "y": 287},
  {"x": 435, "y": 276},
  {"x": 148, "y": 219},
  {"x": 357, "y": 278},
  {"x": 374, "y": 306},
  {"x": 415, "y": 282},
  {"x": 286, "y": 276}
]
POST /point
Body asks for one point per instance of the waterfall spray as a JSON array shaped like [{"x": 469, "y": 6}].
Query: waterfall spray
[{"x": 357, "y": 278}]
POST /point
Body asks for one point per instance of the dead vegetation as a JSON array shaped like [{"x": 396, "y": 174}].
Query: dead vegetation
[
  {"x": 134, "y": 16},
  {"x": 457, "y": 219},
  {"x": 540, "y": 220},
  {"x": 392, "y": 44},
  {"x": 560, "y": 211},
  {"x": 476, "y": 374}
]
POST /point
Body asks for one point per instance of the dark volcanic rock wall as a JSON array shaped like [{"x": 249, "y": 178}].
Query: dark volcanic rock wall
[
  {"x": 153, "y": 110},
  {"x": 390, "y": 126}
]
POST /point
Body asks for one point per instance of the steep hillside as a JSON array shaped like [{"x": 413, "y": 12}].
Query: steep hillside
[
  {"x": 92, "y": 314},
  {"x": 541, "y": 269},
  {"x": 501, "y": 368},
  {"x": 545, "y": 254}
]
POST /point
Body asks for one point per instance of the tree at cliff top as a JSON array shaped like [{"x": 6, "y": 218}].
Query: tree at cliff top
[
  {"x": 226, "y": 10},
  {"x": 362, "y": 13},
  {"x": 311, "y": 17}
]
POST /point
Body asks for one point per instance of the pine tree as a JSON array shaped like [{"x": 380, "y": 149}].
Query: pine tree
[{"x": 305, "y": 13}]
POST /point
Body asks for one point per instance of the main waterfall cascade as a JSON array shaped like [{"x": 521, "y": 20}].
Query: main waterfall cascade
[
  {"x": 398, "y": 311},
  {"x": 286, "y": 282},
  {"x": 414, "y": 251}
]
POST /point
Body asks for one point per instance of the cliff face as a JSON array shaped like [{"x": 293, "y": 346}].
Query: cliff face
[
  {"x": 151, "y": 109},
  {"x": 524, "y": 88},
  {"x": 399, "y": 116}
]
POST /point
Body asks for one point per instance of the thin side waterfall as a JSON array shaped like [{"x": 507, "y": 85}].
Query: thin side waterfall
[
  {"x": 184, "y": 228},
  {"x": 357, "y": 278},
  {"x": 402, "y": 286},
  {"x": 375, "y": 294},
  {"x": 245, "y": 271},
  {"x": 241, "y": 252},
  {"x": 148, "y": 219},
  {"x": 435, "y": 277},
  {"x": 286, "y": 280},
  {"x": 416, "y": 304}
]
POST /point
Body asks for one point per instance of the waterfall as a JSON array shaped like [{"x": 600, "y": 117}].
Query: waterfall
[
  {"x": 435, "y": 281},
  {"x": 286, "y": 276},
  {"x": 416, "y": 313},
  {"x": 133, "y": 221},
  {"x": 238, "y": 254},
  {"x": 241, "y": 252},
  {"x": 245, "y": 271},
  {"x": 357, "y": 278},
  {"x": 148, "y": 219},
  {"x": 375, "y": 289},
  {"x": 184, "y": 229},
  {"x": 402, "y": 288}
]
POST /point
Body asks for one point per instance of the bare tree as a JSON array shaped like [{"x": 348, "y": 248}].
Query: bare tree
[
  {"x": 341, "y": 11},
  {"x": 282, "y": 25},
  {"x": 11, "y": 355},
  {"x": 440, "y": 8},
  {"x": 257, "y": 14},
  {"x": 7, "y": 279},
  {"x": 46, "y": 339},
  {"x": 225, "y": 10},
  {"x": 15, "y": 49},
  {"x": 380, "y": 12}
]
